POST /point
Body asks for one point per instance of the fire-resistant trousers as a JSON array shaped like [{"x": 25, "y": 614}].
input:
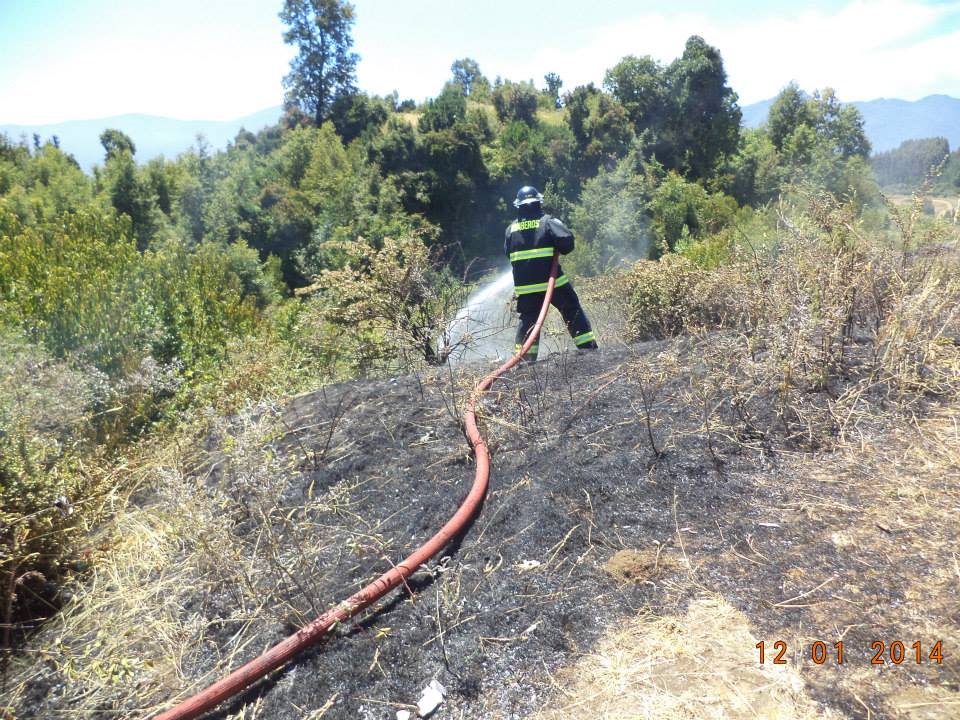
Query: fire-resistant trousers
[{"x": 566, "y": 301}]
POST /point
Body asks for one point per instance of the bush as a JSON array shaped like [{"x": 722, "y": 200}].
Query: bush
[
  {"x": 830, "y": 322},
  {"x": 73, "y": 285},
  {"x": 673, "y": 296},
  {"x": 45, "y": 491},
  {"x": 388, "y": 306},
  {"x": 611, "y": 221},
  {"x": 682, "y": 210}
]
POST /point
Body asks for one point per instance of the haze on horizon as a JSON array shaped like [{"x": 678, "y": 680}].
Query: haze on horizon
[{"x": 224, "y": 59}]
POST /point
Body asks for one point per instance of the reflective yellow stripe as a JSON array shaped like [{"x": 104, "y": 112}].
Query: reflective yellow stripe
[
  {"x": 533, "y": 348},
  {"x": 539, "y": 287},
  {"x": 524, "y": 225},
  {"x": 585, "y": 338},
  {"x": 530, "y": 254}
]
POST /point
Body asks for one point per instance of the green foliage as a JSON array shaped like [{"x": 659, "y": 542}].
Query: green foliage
[
  {"x": 706, "y": 120},
  {"x": 37, "y": 187},
  {"x": 516, "y": 102},
  {"x": 685, "y": 113},
  {"x": 640, "y": 86},
  {"x": 261, "y": 281},
  {"x": 757, "y": 173},
  {"x": 324, "y": 67},
  {"x": 389, "y": 305},
  {"x": 817, "y": 139},
  {"x": 909, "y": 164},
  {"x": 949, "y": 181},
  {"x": 130, "y": 193},
  {"x": 637, "y": 211},
  {"x": 356, "y": 114},
  {"x": 673, "y": 296},
  {"x": 116, "y": 142},
  {"x": 611, "y": 221},
  {"x": 552, "y": 91},
  {"x": 72, "y": 285},
  {"x": 442, "y": 113},
  {"x": 600, "y": 127},
  {"x": 683, "y": 211},
  {"x": 198, "y": 301},
  {"x": 467, "y": 76}
]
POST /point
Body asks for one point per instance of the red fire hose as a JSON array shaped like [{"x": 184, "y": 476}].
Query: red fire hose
[{"x": 284, "y": 651}]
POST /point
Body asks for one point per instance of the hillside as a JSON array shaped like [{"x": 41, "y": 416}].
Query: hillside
[
  {"x": 583, "y": 529},
  {"x": 889, "y": 122},
  {"x": 782, "y": 466}
]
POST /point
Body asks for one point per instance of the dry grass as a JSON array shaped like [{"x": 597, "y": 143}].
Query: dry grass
[
  {"x": 178, "y": 592},
  {"x": 890, "y": 503},
  {"x": 700, "y": 664}
]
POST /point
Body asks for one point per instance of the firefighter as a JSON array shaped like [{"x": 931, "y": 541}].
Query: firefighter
[{"x": 530, "y": 242}]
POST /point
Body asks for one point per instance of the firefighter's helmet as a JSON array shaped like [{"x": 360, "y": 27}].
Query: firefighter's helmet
[{"x": 526, "y": 195}]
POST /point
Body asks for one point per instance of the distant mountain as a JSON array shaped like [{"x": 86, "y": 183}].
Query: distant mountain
[
  {"x": 889, "y": 122},
  {"x": 152, "y": 135}
]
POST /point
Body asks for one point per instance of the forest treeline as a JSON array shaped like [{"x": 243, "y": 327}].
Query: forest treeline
[
  {"x": 916, "y": 162},
  {"x": 336, "y": 243}
]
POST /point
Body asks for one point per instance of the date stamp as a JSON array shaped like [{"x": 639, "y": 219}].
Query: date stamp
[{"x": 820, "y": 653}]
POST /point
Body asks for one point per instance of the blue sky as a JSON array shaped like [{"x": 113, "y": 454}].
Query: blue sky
[{"x": 221, "y": 59}]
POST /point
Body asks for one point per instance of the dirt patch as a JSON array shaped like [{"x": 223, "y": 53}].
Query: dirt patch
[{"x": 629, "y": 565}]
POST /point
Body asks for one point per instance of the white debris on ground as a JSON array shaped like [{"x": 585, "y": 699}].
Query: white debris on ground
[
  {"x": 525, "y": 565},
  {"x": 431, "y": 699}
]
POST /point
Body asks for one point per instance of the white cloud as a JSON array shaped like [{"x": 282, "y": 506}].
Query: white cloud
[
  {"x": 216, "y": 64},
  {"x": 179, "y": 61}
]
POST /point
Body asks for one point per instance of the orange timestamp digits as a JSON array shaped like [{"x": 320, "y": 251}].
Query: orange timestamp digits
[{"x": 896, "y": 653}]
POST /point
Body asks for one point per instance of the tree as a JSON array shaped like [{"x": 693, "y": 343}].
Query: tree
[
  {"x": 466, "y": 74},
  {"x": 601, "y": 129},
  {"x": 819, "y": 139},
  {"x": 840, "y": 125},
  {"x": 356, "y": 114},
  {"x": 324, "y": 69},
  {"x": 910, "y": 163},
  {"x": 116, "y": 142},
  {"x": 790, "y": 110},
  {"x": 516, "y": 101},
  {"x": 445, "y": 111},
  {"x": 554, "y": 83},
  {"x": 706, "y": 118},
  {"x": 639, "y": 85},
  {"x": 685, "y": 114}
]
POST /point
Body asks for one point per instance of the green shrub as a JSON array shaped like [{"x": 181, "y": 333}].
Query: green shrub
[{"x": 73, "y": 285}]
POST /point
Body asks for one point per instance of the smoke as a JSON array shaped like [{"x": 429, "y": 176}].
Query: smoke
[{"x": 624, "y": 237}]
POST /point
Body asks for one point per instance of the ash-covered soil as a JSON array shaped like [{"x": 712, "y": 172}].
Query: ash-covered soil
[{"x": 583, "y": 526}]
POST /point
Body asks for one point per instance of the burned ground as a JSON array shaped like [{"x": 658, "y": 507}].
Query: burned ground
[{"x": 594, "y": 515}]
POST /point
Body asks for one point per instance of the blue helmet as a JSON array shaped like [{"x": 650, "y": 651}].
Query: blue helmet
[{"x": 526, "y": 195}]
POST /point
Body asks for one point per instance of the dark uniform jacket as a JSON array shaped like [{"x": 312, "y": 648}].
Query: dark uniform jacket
[{"x": 529, "y": 244}]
